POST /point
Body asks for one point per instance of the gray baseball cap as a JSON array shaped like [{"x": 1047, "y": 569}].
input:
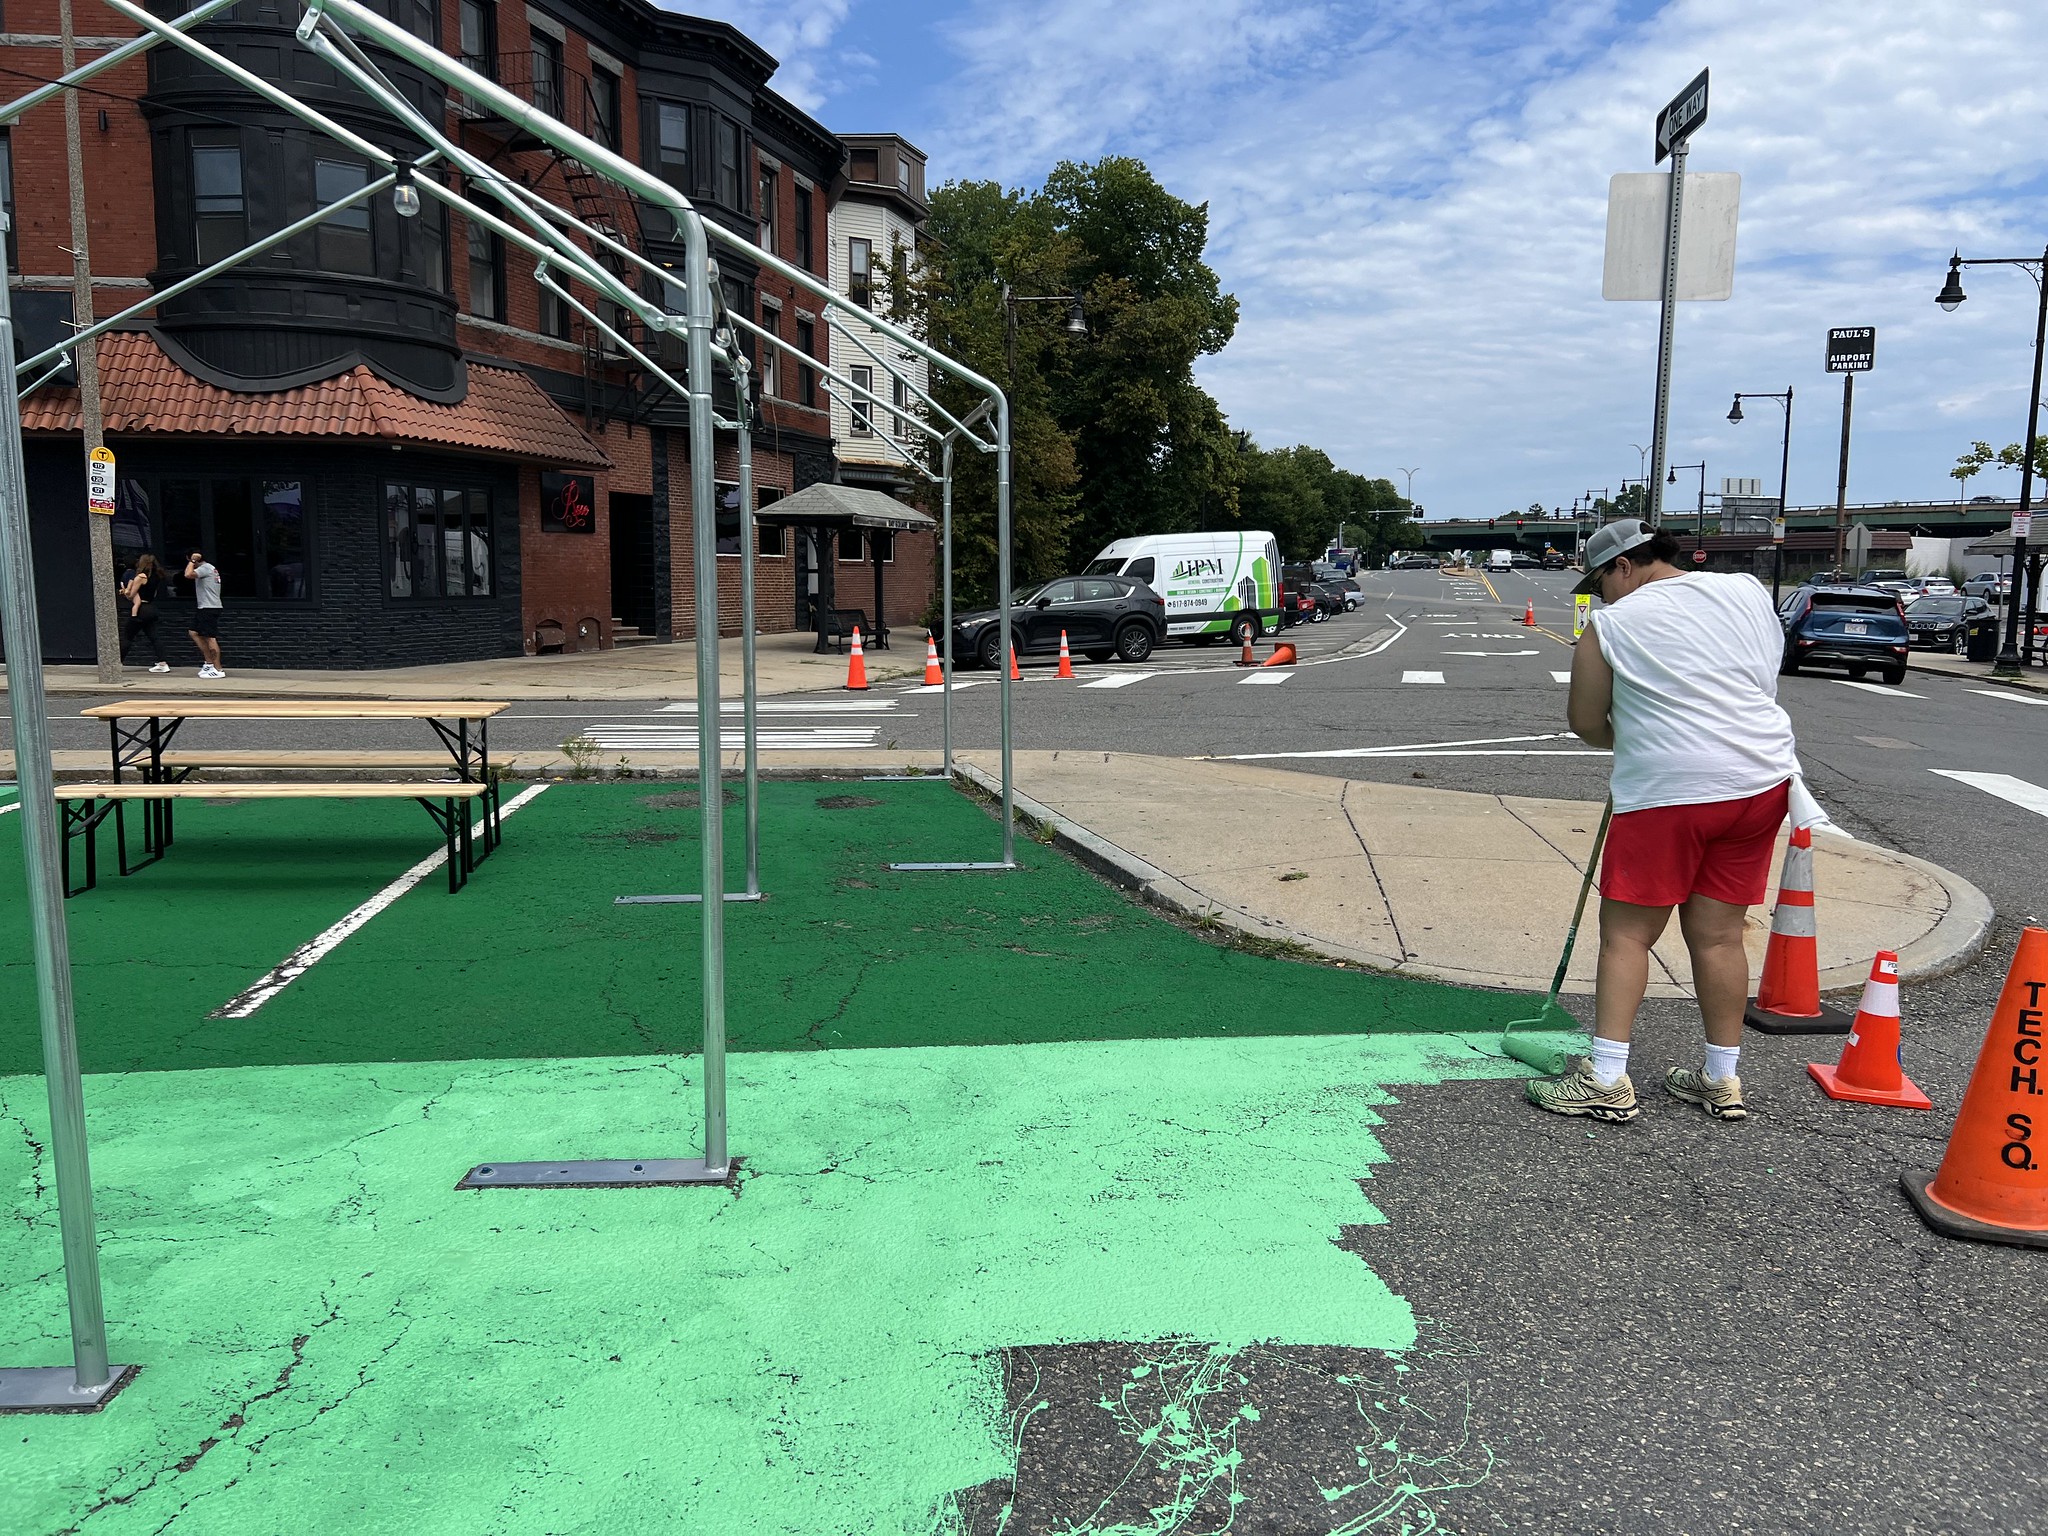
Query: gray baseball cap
[{"x": 1609, "y": 543}]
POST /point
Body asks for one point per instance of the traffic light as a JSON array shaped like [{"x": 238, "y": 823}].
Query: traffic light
[
  {"x": 1489, "y": 522},
  {"x": 1519, "y": 522}
]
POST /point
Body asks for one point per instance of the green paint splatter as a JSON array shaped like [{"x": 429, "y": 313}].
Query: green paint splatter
[{"x": 335, "y": 1339}]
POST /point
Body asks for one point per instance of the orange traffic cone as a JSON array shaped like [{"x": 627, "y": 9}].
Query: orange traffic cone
[
  {"x": 1015, "y": 675},
  {"x": 1869, "y": 1070},
  {"x": 1283, "y": 655},
  {"x": 1993, "y": 1182},
  {"x": 1787, "y": 1000},
  {"x": 934, "y": 677},
  {"x": 1529, "y": 614},
  {"x": 1066, "y": 661},
  {"x": 1247, "y": 659},
  {"x": 857, "y": 666}
]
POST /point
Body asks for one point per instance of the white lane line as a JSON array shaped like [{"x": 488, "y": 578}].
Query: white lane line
[
  {"x": 2031, "y": 797},
  {"x": 1494, "y": 653},
  {"x": 1121, "y": 680},
  {"x": 1269, "y": 678},
  {"x": 309, "y": 954},
  {"x": 1422, "y": 677},
  {"x": 2014, "y": 698},
  {"x": 1408, "y": 749},
  {"x": 13, "y": 806},
  {"x": 973, "y": 682},
  {"x": 1560, "y": 677},
  {"x": 683, "y": 738},
  {"x": 1896, "y": 693},
  {"x": 795, "y": 707}
]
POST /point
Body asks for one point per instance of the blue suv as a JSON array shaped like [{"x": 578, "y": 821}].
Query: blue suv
[{"x": 1861, "y": 628}]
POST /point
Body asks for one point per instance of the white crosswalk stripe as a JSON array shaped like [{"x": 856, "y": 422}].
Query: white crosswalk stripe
[
  {"x": 793, "y": 707},
  {"x": 2010, "y": 698},
  {"x": 683, "y": 738},
  {"x": 1120, "y": 680},
  {"x": 1896, "y": 693},
  {"x": 1422, "y": 677},
  {"x": 2031, "y": 797},
  {"x": 1269, "y": 677},
  {"x": 1560, "y": 677}
]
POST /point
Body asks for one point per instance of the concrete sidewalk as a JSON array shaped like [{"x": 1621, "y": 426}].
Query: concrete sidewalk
[
  {"x": 783, "y": 664},
  {"x": 1466, "y": 888},
  {"x": 2032, "y": 680}
]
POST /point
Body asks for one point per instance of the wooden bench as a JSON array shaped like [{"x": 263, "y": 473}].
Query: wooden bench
[
  {"x": 82, "y": 807},
  {"x": 836, "y": 624},
  {"x": 288, "y": 761}
]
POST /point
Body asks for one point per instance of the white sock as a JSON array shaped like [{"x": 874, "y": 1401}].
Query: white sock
[
  {"x": 1610, "y": 1061},
  {"x": 1721, "y": 1060}
]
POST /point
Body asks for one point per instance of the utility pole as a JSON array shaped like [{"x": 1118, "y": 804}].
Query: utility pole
[
  {"x": 106, "y": 622},
  {"x": 1842, "y": 474}
]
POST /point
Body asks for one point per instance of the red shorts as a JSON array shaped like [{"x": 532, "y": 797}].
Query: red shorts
[{"x": 1722, "y": 849}]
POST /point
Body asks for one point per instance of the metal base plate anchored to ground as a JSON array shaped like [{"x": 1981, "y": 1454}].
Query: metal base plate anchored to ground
[
  {"x": 952, "y": 866},
  {"x": 55, "y": 1389},
  {"x": 597, "y": 1173},
  {"x": 665, "y": 901}
]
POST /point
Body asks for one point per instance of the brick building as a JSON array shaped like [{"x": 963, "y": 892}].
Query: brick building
[{"x": 396, "y": 445}]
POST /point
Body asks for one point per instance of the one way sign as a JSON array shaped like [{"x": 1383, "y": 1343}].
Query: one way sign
[{"x": 1675, "y": 124}]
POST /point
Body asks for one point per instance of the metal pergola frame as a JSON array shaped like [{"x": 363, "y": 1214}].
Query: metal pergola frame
[{"x": 336, "y": 31}]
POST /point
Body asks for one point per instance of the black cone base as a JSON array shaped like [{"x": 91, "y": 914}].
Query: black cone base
[
  {"x": 1829, "y": 1021},
  {"x": 1967, "y": 1228}
]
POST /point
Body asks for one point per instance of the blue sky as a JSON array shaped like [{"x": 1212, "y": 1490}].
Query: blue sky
[{"x": 1408, "y": 198}]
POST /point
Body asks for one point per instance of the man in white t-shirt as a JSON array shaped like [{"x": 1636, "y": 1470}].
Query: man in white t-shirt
[{"x": 1678, "y": 673}]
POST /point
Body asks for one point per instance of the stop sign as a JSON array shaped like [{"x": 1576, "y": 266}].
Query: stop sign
[{"x": 1699, "y": 557}]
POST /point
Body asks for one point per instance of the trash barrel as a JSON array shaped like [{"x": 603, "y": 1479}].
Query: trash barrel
[{"x": 1984, "y": 641}]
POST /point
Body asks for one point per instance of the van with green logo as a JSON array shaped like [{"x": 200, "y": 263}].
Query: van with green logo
[{"x": 1215, "y": 584}]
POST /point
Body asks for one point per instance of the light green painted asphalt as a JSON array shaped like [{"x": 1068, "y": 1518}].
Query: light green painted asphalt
[{"x": 336, "y": 1340}]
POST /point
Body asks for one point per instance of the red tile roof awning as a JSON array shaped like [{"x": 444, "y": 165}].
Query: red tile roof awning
[{"x": 145, "y": 394}]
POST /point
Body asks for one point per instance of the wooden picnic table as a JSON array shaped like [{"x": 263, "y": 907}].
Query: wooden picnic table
[{"x": 140, "y": 731}]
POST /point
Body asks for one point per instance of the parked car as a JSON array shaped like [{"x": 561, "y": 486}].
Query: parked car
[
  {"x": 1928, "y": 586},
  {"x": 1521, "y": 560},
  {"x": 1861, "y": 628},
  {"x": 1354, "y": 594},
  {"x": 1990, "y": 585},
  {"x": 1553, "y": 560},
  {"x": 1412, "y": 563},
  {"x": 1103, "y": 616},
  {"x": 1890, "y": 580},
  {"x": 1830, "y": 579},
  {"x": 1331, "y": 598},
  {"x": 1946, "y": 621},
  {"x": 1500, "y": 560},
  {"x": 1214, "y": 584}
]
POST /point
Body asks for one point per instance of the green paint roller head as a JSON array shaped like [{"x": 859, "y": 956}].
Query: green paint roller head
[{"x": 1548, "y": 1041}]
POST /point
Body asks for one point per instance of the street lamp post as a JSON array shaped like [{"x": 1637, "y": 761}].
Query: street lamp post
[
  {"x": 1699, "y": 537},
  {"x": 1642, "y": 464},
  {"x": 1950, "y": 296},
  {"x": 1409, "y": 495},
  {"x": 1077, "y": 319},
  {"x": 1784, "y": 468}
]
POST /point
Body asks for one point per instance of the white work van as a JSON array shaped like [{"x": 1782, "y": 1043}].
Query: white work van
[
  {"x": 1500, "y": 560},
  {"x": 1214, "y": 584}
]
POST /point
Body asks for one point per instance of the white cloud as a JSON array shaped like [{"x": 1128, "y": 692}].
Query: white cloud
[
  {"x": 801, "y": 34},
  {"x": 1409, "y": 201}
]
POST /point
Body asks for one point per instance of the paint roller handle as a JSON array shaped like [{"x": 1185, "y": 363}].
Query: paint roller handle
[{"x": 1585, "y": 887}]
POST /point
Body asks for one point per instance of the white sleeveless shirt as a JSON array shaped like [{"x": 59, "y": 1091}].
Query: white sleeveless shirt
[{"x": 1696, "y": 716}]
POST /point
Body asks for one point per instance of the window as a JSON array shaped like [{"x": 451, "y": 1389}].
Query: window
[
  {"x": 865, "y": 165},
  {"x": 547, "y": 73},
  {"x": 604, "y": 107},
  {"x": 901, "y": 393},
  {"x": 7, "y": 195},
  {"x": 860, "y": 546},
  {"x": 902, "y": 172},
  {"x": 672, "y": 145},
  {"x": 342, "y": 240},
  {"x": 863, "y": 412},
  {"x": 220, "y": 214},
  {"x": 771, "y": 355},
  {"x": 860, "y": 272},
  {"x": 728, "y": 518},
  {"x": 486, "y": 272},
  {"x": 437, "y": 541},
  {"x": 254, "y": 532},
  {"x": 803, "y": 227},
  {"x": 850, "y": 547},
  {"x": 806, "y": 375},
  {"x": 554, "y": 315},
  {"x": 729, "y": 163},
  {"x": 478, "y": 24},
  {"x": 425, "y": 235},
  {"x": 899, "y": 281},
  {"x": 764, "y": 211},
  {"x": 1141, "y": 570},
  {"x": 770, "y": 539}
]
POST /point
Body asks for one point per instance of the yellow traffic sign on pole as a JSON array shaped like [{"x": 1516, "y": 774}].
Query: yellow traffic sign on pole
[
  {"x": 1582, "y": 613},
  {"x": 99, "y": 482}
]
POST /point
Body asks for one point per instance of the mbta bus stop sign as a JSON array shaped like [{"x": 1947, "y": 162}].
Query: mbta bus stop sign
[{"x": 1852, "y": 349}]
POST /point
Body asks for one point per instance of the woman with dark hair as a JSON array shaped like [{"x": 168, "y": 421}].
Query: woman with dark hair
[
  {"x": 1678, "y": 673},
  {"x": 141, "y": 593}
]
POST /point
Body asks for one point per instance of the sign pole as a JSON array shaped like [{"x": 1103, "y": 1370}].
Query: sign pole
[
  {"x": 1666, "y": 333},
  {"x": 1842, "y": 472}
]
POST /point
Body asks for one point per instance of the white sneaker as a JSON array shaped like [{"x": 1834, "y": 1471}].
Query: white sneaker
[
  {"x": 162, "y": 666},
  {"x": 208, "y": 671}
]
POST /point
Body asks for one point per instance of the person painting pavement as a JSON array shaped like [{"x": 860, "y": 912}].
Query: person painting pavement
[{"x": 1678, "y": 673}]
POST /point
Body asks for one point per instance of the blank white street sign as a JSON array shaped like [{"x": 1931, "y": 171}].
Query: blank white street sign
[
  {"x": 1422, "y": 677},
  {"x": 1638, "y": 210}
]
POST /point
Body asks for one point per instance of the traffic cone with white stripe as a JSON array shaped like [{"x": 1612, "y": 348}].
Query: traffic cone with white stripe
[
  {"x": 934, "y": 677},
  {"x": 1529, "y": 614},
  {"x": 1016, "y": 674},
  {"x": 1787, "y": 1000},
  {"x": 1066, "y": 660},
  {"x": 857, "y": 666},
  {"x": 1869, "y": 1071}
]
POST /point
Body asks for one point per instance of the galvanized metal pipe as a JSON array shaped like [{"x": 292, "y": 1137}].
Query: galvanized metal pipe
[
  {"x": 42, "y": 844},
  {"x": 946, "y": 600},
  {"x": 750, "y": 733}
]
